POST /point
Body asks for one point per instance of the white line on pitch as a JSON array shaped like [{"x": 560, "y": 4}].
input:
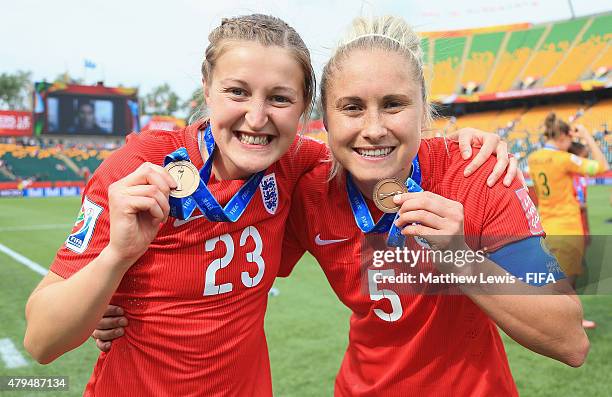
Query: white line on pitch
[
  {"x": 34, "y": 227},
  {"x": 10, "y": 355},
  {"x": 23, "y": 260}
]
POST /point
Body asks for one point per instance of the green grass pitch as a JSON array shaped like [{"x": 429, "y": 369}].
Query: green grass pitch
[{"x": 307, "y": 326}]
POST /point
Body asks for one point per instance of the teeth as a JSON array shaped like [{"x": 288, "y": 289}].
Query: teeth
[
  {"x": 253, "y": 140},
  {"x": 374, "y": 152}
]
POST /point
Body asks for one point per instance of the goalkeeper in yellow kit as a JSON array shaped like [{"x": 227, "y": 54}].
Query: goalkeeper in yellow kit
[{"x": 552, "y": 169}]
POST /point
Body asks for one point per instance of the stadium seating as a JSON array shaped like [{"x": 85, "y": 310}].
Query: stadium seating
[
  {"x": 598, "y": 117},
  {"x": 592, "y": 43},
  {"x": 48, "y": 164},
  {"x": 552, "y": 51},
  {"x": 448, "y": 54},
  {"x": 551, "y": 54},
  {"x": 480, "y": 59}
]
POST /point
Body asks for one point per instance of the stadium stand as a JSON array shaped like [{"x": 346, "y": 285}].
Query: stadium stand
[
  {"x": 513, "y": 57},
  {"x": 552, "y": 51},
  {"x": 38, "y": 163},
  {"x": 448, "y": 53},
  {"x": 459, "y": 64},
  {"x": 546, "y": 55},
  {"x": 480, "y": 60},
  {"x": 592, "y": 43}
]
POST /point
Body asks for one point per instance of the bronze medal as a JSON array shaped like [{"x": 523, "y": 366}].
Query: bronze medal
[
  {"x": 384, "y": 192},
  {"x": 186, "y": 176}
]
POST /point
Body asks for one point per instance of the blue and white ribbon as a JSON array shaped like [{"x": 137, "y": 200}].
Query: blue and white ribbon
[
  {"x": 363, "y": 217},
  {"x": 182, "y": 208}
]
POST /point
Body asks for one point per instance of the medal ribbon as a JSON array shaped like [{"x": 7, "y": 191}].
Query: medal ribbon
[
  {"x": 362, "y": 214},
  {"x": 182, "y": 208}
]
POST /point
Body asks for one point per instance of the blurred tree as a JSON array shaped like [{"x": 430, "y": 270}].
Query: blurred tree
[
  {"x": 194, "y": 104},
  {"x": 16, "y": 90},
  {"x": 66, "y": 78},
  {"x": 160, "y": 101}
]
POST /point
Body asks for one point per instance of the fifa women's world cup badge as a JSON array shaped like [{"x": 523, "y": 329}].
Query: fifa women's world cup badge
[
  {"x": 84, "y": 226},
  {"x": 186, "y": 176},
  {"x": 384, "y": 191}
]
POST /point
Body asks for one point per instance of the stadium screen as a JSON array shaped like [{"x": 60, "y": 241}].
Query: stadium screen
[{"x": 62, "y": 109}]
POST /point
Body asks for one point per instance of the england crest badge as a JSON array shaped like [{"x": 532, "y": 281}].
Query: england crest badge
[
  {"x": 83, "y": 228},
  {"x": 269, "y": 193}
]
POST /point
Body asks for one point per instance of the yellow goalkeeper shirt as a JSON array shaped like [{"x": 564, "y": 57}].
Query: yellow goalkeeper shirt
[{"x": 552, "y": 173}]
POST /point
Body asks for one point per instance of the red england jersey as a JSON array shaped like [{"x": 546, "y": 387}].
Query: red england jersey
[
  {"x": 196, "y": 299},
  {"x": 406, "y": 342}
]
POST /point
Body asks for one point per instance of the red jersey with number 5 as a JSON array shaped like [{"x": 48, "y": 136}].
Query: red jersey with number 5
[
  {"x": 196, "y": 299},
  {"x": 402, "y": 342}
]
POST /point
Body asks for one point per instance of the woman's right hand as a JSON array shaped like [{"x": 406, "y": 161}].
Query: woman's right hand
[
  {"x": 138, "y": 204},
  {"x": 580, "y": 131}
]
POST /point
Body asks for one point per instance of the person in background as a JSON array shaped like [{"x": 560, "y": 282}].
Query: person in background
[{"x": 552, "y": 170}]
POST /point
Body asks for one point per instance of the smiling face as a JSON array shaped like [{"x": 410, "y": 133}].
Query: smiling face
[
  {"x": 374, "y": 111},
  {"x": 255, "y": 98}
]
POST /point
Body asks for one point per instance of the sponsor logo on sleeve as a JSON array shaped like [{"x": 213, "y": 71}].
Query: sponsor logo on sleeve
[
  {"x": 83, "y": 229},
  {"x": 269, "y": 193},
  {"x": 531, "y": 212}
]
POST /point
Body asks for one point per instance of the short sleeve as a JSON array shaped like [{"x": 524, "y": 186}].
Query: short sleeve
[
  {"x": 296, "y": 231},
  {"x": 305, "y": 154},
  {"x": 578, "y": 165},
  {"x": 509, "y": 215},
  {"x": 90, "y": 233}
]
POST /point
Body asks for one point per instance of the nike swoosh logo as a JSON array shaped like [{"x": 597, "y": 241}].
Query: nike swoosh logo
[
  {"x": 319, "y": 241},
  {"x": 181, "y": 222}
]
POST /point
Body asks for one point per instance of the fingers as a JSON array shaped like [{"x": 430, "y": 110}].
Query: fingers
[
  {"x": 423, "y": 217},
  {"x": 112, "y": 322},
  {"x": 427, "y": 201},
  {"x": 148, "y": 174},
  {"x": 465, "y": 142},
  {"x": 104, "y": 346},
  {"x": 512, "y": 172},
  {"x": 500, "y": 165},
  {"x": 107, "y": 335},
  {"x": 419, "y": 230},
  {"x": 151, "y": 191},
  {"x": 146, "y": 204},
  {"x": 145, "y": 189},
  {"x": 490, "y": 145},
  {"x": 113, "y": 310}
]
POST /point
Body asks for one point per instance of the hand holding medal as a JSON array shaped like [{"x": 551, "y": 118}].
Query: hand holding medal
[
  {"x": 138, "y": 204},
  {"x": 433, "y": 217}
]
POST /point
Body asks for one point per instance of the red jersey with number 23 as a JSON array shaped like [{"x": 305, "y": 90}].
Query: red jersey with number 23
[
  {"x": 196, "y": 299},
  {"x": 409, "y": 343}
]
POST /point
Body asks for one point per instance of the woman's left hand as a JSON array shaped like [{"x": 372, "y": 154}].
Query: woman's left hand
[
  {"x": 490, "y": 144},
  {"x": 432, "y": 217}
]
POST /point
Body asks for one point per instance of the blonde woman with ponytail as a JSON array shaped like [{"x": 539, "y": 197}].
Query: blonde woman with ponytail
[{"x": 412, "y": 332}]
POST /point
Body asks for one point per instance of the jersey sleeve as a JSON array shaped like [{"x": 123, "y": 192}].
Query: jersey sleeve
[
  {"x": 578, "y": 165},
  {"x": 305, "y": 154},
  {"x": 295, "y": 239},
  {"x": 513, "y": 235},
  {"x": 90, "y": 233},
  {"x": 509, "y": 216}
]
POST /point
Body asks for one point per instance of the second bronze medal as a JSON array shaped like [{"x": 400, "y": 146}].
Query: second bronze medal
[{"x": 384, "y": 192}]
